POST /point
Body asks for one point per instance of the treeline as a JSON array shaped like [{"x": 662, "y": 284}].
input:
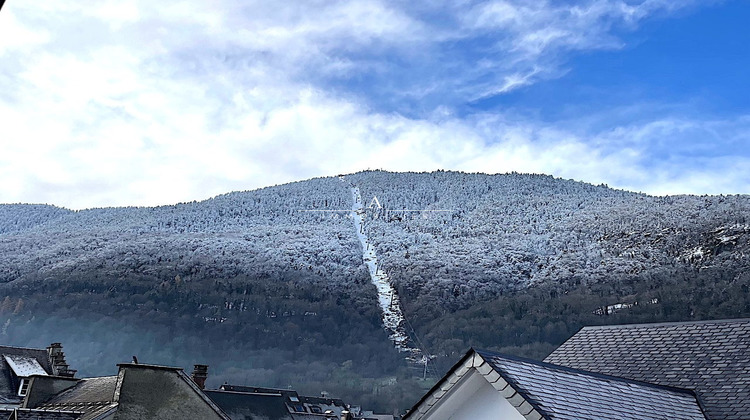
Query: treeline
[
  {"x": 293, "y": 330},
  {"x": 533, "y": 322}
]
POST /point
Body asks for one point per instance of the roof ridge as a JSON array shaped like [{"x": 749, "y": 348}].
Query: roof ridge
[
  {"x": 149, "y": 366},
  {"x": 50, "y": 410},
  {"x": 21, "y": 348},
  {"x": 72, "y": 404},
  {"x": 585, "y": 372},
  {"x": 663, "y": 324}
]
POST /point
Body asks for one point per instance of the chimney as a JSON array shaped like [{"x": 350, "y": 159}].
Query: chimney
[
  {"x": 199, "y": 375},
  {"x": 57, "y": 360}
]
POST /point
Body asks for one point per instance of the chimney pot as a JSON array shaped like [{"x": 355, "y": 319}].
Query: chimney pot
[
  {"x": 199, "y": 375},
  {"x": 57, "y": 360}
]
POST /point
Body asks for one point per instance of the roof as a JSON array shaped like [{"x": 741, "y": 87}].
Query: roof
[
  {"x": 93, "y": 396},
  {"x": 24, "y": 366},
  {"x": 38, "y": 354},
  {"x": 564, "y": 393},
  {"x": 541, "y": 390},
  {"x": 99, "y": 389},
  {"x": 245, "y": 402},
  {"x": 138, "y": 391},
  {"x": 711, "y": 357},
  {"x": 8, "y": 386},
  {"x": 242, "y": 405}
]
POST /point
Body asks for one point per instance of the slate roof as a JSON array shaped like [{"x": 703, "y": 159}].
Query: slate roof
[
  {"x": 711, "y": 357},
  {"x": 24, "y": 366},
  {"x": 569, "y": 394},
  {"x": 241, "y": 406},
  {"x": 8, "y": 390},
  {"x": 250, "y": 403},
  {"x": 93, "y": 396},
  {"x": 38, "y": 354}
]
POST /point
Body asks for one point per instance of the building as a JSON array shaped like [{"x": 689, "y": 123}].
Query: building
[
  {"x": 138, "y": 391},
  {"x": 18, "y": 365},
  {"x": 710, "y": 357},
  {"x": 247, "y": 403},
  {"x": 485, "y": 385},
  {"x": 38, "y": 385}
]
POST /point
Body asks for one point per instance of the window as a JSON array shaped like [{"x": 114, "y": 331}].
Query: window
[
  {"x": 298, "y": 408},
  {"x": 316, "y": 409},
  {"x": 23, "y": 387}
]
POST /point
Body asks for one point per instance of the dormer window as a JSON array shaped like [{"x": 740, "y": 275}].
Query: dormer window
[
  {"x": 298, "y": 408},
  {"x": 22, "y": 367},
  {"x": 23, "y": 387}
]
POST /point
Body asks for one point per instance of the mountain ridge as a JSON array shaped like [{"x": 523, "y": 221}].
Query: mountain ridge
[{"x": 518, "y": 262}]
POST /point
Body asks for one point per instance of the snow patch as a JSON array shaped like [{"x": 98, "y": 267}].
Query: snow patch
[{"x": 390, "y": 306}]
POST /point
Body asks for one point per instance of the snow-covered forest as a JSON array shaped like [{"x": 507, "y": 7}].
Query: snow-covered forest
[
  {"x": 511, "y": 231},
  {"x": 271, "y": 293}
]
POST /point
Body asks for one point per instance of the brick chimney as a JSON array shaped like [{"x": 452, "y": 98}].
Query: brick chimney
[
  {"x": 199, "y": 375},
  {"x": 57, "y": 360}
]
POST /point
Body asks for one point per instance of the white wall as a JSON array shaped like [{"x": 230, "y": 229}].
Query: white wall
[{"x": 473, "y": 398}]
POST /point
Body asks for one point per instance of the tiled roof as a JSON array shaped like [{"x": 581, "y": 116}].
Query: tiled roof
[
  {"x": 93, "y": 396},
  {"x": 100, "y": 389},
  {"x": 711, "y": 357},
  {"x": 567, "y": 394}
]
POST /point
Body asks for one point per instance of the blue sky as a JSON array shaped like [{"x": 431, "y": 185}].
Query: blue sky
[{"x": 135, "y": 102}]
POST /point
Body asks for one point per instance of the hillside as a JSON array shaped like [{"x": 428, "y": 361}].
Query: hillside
[{"x": 269, "y": 286}]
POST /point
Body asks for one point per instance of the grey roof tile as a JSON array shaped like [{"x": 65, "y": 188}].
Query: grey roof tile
[
  {"x": 88, "y": 390},
  {"x": 93, "y": 396},
  {"x": 710, "y": 357},
  {"x": 563, "y": 393}
]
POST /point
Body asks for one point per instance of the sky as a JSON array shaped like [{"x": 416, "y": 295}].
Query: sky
[{"x": 141, "y": 103}]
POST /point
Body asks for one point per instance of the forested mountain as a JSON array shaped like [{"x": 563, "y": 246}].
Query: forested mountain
[{"x": 269, "y": 286}]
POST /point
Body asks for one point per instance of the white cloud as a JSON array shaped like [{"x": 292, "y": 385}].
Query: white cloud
[{"x": 143, "y": 103}]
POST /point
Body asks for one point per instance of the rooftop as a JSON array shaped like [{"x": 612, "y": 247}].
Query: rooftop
[
  {"x": 710, "y": 357},
  {"x": 563, "y": 393},
  {"x": 539, "y": 390}
]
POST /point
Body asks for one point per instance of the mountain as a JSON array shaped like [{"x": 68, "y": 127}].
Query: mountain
[{"x": 269, "y": 286}]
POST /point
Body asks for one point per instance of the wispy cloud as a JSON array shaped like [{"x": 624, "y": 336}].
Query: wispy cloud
[{"x": 136, "y": 102}]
